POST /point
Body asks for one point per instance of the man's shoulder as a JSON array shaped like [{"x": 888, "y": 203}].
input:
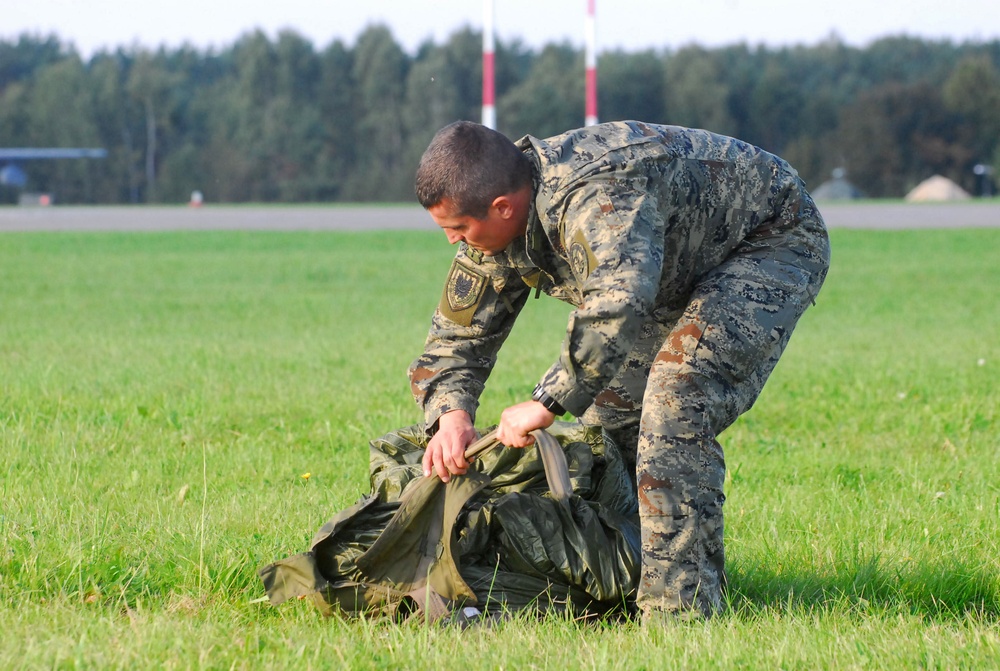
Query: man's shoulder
[
  {"x": 574, "y": 154},
  {"x": 615, "y": 144},
  {"x": 590, "y": 142},
  {"x": 621, "y": 138}
]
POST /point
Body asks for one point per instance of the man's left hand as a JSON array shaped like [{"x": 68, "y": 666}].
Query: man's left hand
[{"x": 518, "y": 421}]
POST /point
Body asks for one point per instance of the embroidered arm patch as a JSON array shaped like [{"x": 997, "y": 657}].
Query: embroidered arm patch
[{"x": 462, "y": 293}]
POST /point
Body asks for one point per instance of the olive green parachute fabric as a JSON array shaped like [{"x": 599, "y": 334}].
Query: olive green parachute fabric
[{"x": 495, "y": 539}]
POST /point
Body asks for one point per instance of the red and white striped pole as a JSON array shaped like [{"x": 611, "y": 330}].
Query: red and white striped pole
[
  {"x": 590, "y": 30},
  {"x": 489, "y": 90}
]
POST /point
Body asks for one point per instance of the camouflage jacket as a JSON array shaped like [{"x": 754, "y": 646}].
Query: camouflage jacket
[{"x": 625, "y": 218}]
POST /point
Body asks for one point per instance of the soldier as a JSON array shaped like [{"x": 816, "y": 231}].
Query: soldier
[{"x": 688, "y": 256}]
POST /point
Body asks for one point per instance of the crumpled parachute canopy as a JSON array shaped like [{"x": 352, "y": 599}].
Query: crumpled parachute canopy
[{"x": 495, "y": 538}]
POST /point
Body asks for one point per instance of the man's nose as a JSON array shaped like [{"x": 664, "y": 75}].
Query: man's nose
[{"x": 453, "y": 237}]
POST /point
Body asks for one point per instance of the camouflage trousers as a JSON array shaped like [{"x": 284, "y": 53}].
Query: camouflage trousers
[{"x": 692, "y": 373}]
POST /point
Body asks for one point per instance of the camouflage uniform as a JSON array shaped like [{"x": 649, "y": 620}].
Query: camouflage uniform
[{"x": 689, "y": 257}]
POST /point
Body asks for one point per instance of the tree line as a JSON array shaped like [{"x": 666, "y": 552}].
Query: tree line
[{"x": 278, "y": 120}]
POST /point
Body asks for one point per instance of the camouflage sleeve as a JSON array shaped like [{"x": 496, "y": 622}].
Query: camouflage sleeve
[
  {"x": 614, "y": 238},
  {"x": 477, "y": 310}
]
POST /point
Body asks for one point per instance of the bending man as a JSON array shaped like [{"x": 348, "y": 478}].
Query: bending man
[{"x": 689, "y": 258}]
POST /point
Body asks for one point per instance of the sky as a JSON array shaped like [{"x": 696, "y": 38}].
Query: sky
[{"x": 629, "y": 25}]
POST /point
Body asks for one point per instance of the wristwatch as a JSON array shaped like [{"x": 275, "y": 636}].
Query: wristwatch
[{"x": 549, "y": 403}]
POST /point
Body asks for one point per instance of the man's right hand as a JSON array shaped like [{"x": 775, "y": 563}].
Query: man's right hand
[{"x": 445, "y": 455}]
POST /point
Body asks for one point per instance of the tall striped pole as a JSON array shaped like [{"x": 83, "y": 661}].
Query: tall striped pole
[
  {"x": 590, "y": 30},
  {"x": 489, "y": 90}
]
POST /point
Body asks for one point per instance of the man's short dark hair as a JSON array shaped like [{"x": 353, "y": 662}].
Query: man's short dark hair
[{"x": 470, "y": 165}]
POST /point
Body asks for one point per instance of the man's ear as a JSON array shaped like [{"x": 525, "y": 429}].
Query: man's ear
[{"x": 504, "y": 206}]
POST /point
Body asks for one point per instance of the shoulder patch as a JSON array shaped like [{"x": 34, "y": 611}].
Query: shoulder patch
[
  {"x": 581, "y": 256},
  {"x": 462, "y": 293},
  {"x": 465, "y": 287}
]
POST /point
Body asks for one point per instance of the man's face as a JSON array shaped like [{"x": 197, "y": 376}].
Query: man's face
[{"x": 490, "y": 236}]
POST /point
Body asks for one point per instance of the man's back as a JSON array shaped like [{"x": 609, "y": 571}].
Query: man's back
[{"x": 699, "y": 192}]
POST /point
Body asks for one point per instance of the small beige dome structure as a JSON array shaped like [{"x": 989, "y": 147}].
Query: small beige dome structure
[{"x": 936, "y": 189}]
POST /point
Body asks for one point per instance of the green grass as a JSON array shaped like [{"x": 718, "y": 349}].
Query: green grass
[{"x": 161, "y": 395}]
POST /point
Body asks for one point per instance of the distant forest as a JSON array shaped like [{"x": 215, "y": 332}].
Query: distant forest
[{"x": 276, "y": 120}]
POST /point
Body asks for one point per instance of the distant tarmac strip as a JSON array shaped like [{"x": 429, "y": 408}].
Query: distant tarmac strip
[{"x": 866, "y": 215}]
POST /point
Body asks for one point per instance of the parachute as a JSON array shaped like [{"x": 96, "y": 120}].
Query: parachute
[{"x": 492, "y": 542}]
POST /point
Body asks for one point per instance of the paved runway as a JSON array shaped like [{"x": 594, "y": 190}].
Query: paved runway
[{"x": 869, "y": 215}]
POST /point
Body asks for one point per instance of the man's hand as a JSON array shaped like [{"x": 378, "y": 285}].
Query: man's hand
[
  {"x": 518, "y": 421},
  {"x": 445, "y": 454}
]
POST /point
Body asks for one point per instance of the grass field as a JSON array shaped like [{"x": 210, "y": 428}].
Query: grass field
[{"x": 162, "y": 395}]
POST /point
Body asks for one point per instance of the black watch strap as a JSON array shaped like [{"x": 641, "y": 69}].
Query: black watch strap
[{"x": 549, "y": 403}]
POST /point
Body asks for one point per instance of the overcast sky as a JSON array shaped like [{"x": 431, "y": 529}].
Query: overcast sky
[{"x": 622, "y": 24}]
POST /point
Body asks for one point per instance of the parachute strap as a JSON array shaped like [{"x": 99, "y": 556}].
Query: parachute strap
[
  {"x": 556, "y": 468},
  {"x": 553, "y": 459},
  {"x": 484, "y": 444}
]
